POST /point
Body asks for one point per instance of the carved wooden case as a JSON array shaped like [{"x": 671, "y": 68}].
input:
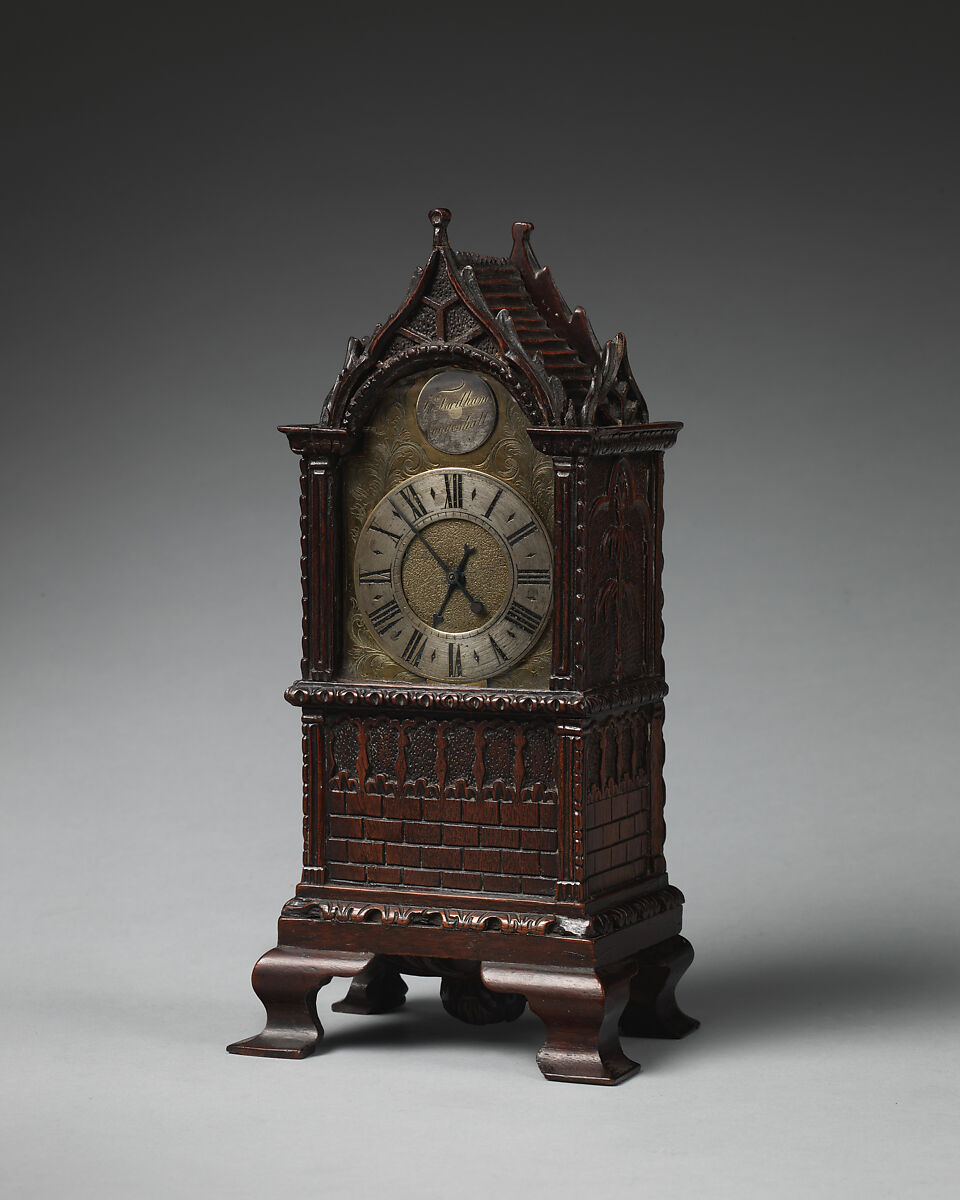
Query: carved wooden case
[{"x": 513, "y": 827}]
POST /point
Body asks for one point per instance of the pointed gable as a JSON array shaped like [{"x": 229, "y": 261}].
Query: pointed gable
[{"x": 502, "y": 315}]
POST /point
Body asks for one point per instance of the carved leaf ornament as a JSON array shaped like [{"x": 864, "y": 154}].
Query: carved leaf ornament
[{"x": 627, "y": 528}]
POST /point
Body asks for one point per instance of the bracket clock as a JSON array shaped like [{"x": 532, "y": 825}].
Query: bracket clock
[{"x": 482, "y": 679}]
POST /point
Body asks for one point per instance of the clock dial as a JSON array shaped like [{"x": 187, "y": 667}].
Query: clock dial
[{"x": 453, "y": 573}]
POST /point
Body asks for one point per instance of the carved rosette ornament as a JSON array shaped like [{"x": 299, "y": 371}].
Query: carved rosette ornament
[{"x": 481, "y": 682}]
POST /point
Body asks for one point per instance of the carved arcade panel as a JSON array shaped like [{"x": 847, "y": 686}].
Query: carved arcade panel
[
  {"x": 617, "y": 810},
  {"x": 463, "y": 805}
]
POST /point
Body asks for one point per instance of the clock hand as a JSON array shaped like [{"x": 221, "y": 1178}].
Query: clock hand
[
  {"x": 475, "y": 606},
  {"x": 416, "y": 533},
  {"x": 438, "y": 615},
  {"x": 454, "y": 578},
  {"x": 457, "y": 580}
]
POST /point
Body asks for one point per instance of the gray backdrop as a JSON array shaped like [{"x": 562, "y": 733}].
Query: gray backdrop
[{"x": 201, "y": 205}]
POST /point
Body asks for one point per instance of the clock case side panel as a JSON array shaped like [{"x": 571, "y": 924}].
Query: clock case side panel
[{"x": 608, "y": 646}]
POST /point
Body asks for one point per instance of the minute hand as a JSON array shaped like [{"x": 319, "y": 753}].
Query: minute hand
[
  {"x": 453, "y": 576},
  {"x": 416, "y": 533}
]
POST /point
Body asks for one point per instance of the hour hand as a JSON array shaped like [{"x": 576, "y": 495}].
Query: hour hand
[
  {"x": 438, "y": 615},
  {"x": 475, "y": 606}
]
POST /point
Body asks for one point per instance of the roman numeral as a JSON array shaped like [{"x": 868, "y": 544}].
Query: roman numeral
[
  {"x": 416, "y": 504},
  {"x": 413, "y": 651},
  {"x": 385, "y": 617},
  {"x": 501, "y": 657},
  {"x": 525, "y": 618},
  {"x": 533, "y": 575},
  {"x": 375, "y": 576},
  {"x": 454, "y": 488},
  {"x": 453, "y": 660},
  {"x": 493, "y": 502},
  {"x": 386, "y": 533},
  {"x": 519, "y": 534}
]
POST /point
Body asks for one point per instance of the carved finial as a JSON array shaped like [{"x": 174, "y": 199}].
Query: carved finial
[
  {"x": 573, "y": 327},
  {"x": 521, "y": 232},
  {"x": 440, "y": 219}
]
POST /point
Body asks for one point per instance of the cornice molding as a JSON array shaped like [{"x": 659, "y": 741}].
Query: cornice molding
[
  {"x": 606, "y": 441},
  {"x": 304, "y": 693}
]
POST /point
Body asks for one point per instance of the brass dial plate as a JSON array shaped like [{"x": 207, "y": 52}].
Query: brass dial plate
[{"x": 453, "y": 574}]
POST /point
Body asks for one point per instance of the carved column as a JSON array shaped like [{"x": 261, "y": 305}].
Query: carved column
[
  {"x": 314, "y": 797},
  {"x": 321, "y": 452},
  {"x": 567, "y": 448},
  {"x": 570, "y": 812}
]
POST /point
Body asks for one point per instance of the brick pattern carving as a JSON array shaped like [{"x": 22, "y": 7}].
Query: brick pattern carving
[
  {"x": 464, "y": 805},
  {"x": 617, "y": 818}
]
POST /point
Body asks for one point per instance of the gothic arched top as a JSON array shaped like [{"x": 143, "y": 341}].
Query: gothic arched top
[
  {"x": 504, "y": 316},
  {"x": 361, "y": 403}
]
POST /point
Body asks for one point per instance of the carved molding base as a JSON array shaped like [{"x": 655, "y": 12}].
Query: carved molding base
[{"x": 601, "y": 924}]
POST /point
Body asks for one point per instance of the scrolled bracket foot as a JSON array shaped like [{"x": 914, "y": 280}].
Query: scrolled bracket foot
[
  {"x": 580, "y": 1008},
  {"x": 287, "y": 982},
  {"x": 652, "y": 1009},
  {"x": 469, "y": 1001},
  {"x": 378, "y": 988}
]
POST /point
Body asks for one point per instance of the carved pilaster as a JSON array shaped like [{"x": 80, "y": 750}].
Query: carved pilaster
[
  {"x": 570, "y": 812},
  {"x": 314, "y": 807},
  {"x": 323, "y": 567},
  {"x": 658, "y": 829},
  {"x": 563, "y": 554},
  {"x": 321, "y": 452},
  {"x": 304, "y": 577},
  {"x": 656, "y": 488}
]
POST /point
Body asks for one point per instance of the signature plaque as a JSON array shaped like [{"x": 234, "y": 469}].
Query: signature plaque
[{"x": 456, "y": 411}]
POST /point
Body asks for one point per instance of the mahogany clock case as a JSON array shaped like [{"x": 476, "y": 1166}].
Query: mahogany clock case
[{"x": 483, "y": 750}]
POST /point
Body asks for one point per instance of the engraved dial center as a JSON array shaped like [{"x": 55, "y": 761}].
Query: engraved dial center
[{"x": 486, "y": 573}]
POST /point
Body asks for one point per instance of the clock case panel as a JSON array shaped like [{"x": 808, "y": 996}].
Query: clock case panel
[{"x": 509, "y": 837}]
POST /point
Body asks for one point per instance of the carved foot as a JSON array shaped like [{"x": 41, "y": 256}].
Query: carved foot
[
  {"x": 468, "y": 1000},
  {"x": 378, "y": 988},
  {"x": 579, "y": 1008},
  {"x": 652, "y": 1008},
  {"x": 287, "y": 982}
]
